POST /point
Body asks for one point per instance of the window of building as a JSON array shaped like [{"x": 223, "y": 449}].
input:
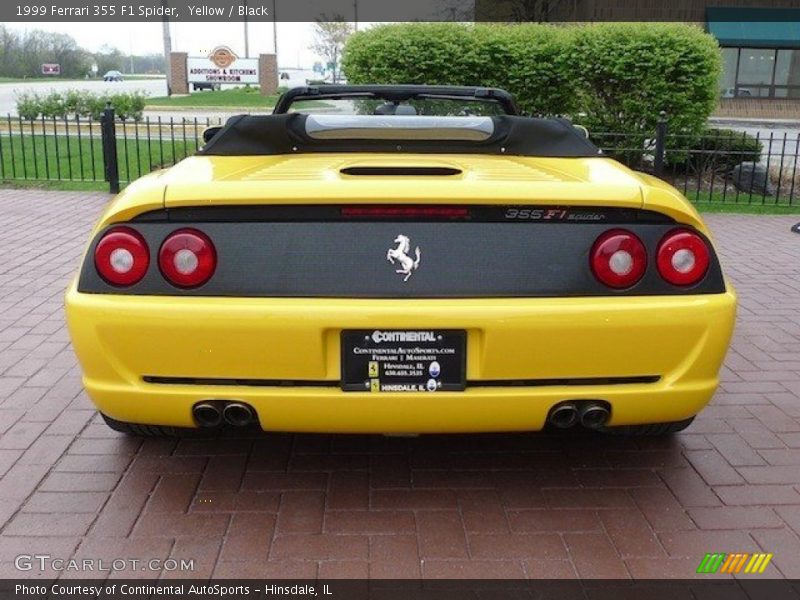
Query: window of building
[
  {"x": 761, "y": 73},
  {"x": 787, "y": 73},
  {"x": 730, "y": 61}
]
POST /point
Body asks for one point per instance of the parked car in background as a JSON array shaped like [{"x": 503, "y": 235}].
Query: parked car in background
[
  {"x": 734, "y": 93},
  {"x": 198, "y": 87},
  {"x": 112, "y": 76}
]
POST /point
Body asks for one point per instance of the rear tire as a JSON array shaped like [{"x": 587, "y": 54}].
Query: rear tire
[
  {"x": 141, "y": 430},
  {"x": 651, "y": 429}
]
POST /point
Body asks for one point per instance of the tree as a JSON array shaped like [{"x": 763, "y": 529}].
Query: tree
[
  {"x": 109, "y": 59},
  {"x": 23, "y": 53},
  {"x": 331, "y": 36},
  {"x": 524, "y": 11}
]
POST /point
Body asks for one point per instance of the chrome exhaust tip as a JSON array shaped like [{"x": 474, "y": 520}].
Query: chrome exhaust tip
[
  {"x": 238, "y": 414},
  {"x": 207, "y": 414},
  {"x": 594, "y": 416},
  {"x": 564, "y": 416}
]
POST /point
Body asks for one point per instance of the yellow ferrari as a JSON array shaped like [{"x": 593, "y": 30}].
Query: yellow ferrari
[{"x": 400, "y": 259}]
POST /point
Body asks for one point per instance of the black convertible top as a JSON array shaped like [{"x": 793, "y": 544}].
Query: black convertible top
[{"x": 254, "y": 135}]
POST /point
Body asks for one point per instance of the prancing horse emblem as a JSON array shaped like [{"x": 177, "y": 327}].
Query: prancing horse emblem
[{"x": 401, "y": 254}]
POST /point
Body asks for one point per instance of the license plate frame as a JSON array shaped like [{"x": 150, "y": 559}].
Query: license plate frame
[{"x": 403, "y": 360}]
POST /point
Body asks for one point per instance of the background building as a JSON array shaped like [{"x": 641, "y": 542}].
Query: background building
[
  {"x": 761, "y": 61},
  {"x": 760, "y": 41}
]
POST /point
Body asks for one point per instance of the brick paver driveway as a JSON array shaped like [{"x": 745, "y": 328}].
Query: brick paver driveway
[{"x": 529, "y": 505}]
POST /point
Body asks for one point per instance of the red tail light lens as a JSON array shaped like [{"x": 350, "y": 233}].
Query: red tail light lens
[
  {"x": 187, "y": 258},
  {"x": 682, "y": 257},
  {"x": 121, "y": 257},
  {"x": 618, "y": 258}
]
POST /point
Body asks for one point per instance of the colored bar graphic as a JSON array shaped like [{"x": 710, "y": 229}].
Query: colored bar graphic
[
  {"x": 720, "y": 562},
  {"x": 730, "y": 563},
  {"x": 711, "y": 562}
]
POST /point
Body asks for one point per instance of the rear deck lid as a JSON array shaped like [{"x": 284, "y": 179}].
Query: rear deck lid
[{"x": 337, "y": 178}]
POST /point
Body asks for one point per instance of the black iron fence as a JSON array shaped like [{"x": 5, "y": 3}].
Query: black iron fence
[
  {"x": 107, "y": 150},
  {"x": 718, "y": 167}
]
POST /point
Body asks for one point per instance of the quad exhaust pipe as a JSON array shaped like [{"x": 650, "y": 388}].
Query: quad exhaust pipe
[
  {"x": 238, "y": 414},
  {"x": 213, "y": 413},
  {"x": 590, "y": 414},
  {"x": 207, "y": 414},
  {"x": 564, "y": 416},
  {"x": 593, "y": 415}
]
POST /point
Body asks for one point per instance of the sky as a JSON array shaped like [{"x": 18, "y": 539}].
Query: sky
[{"x": 194, "y": 38}]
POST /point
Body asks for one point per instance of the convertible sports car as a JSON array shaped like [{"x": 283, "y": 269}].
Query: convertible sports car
[{"x": 431, "y": 262}]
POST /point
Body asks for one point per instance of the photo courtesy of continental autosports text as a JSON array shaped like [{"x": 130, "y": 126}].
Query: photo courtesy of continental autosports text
[
  {"x": 174, "y": 590},
  {"x": 431, "y": 300}
]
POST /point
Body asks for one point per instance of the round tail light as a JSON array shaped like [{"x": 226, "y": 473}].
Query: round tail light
[
  {"x": 682, "y": 257},
  {"x": 121, "y": 257},
  {"x": 618, "y": 259},
  {"x": 187, "y": 258}
]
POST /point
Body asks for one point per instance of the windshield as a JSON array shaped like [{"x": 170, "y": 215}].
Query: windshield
[
  {"x": 398, "y": 100},
  {"x": 414, "y": 106}
]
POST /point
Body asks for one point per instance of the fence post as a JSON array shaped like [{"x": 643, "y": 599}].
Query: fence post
[
  {"x": 661, "y": 142},
  {"x": 109, "y": 136}
]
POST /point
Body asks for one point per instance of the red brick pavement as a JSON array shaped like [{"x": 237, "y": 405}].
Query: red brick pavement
[{"x": 529, "y": 505}]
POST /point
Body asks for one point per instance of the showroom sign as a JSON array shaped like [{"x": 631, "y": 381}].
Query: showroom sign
[{"x": 221, "y": 66}]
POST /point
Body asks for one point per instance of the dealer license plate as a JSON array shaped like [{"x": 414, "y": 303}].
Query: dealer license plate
[{"x": 404, "y": 360}]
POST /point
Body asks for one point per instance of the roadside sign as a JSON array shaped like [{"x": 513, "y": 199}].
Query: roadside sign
[
  {"x": 221, "y": 66},
  {"x": 51, "y": 69}
]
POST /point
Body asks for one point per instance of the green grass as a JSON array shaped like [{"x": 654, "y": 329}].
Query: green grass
[
  {"x": 35, "y": 79},
  {"x": 71, "y": 79},
  {"x": 57, "y": 186},
  {"x": 717, "y": 202},
  {"x": 232, "y": 98},
  {"x": 748, "y": 209},
  {"x": 34, "y": 159}
]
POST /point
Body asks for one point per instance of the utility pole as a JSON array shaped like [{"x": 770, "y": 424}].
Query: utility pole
[
  {"x": 275, "y": 28},
  {"x": 130, "y": 49},
  {"x": 167, "y": 48},
  {"x": 246, "y": 36}
]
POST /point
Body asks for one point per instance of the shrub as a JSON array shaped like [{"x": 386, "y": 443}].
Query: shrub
[
  {"x": 75, "y": 102},
  {"x": 721, "y": 150},
  {"x": 127, "y": 105},
  {"x": 528, "y": 60},
  {"x": 609, "y": 77},
  {"x": 94, "y": 105},
  {"x": 785, "y": 178},
  {"x": 28, "y": 105},
  {"x": 628, "y": 73},
  {"x": 52, "y": 106}
]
